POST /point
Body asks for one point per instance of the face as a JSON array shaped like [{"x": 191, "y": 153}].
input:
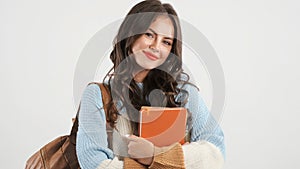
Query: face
[{"x": 152, "y": 48}]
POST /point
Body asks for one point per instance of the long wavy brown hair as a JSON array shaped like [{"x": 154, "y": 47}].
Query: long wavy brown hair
[{"x": 164, "y": 78}]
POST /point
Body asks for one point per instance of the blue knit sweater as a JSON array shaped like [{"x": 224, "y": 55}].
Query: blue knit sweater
[{"x": 92, "y": 147}]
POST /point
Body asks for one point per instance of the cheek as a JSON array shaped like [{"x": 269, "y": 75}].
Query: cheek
[
  {"x": 165, "y": 53},
  {"x": 135, "y": 48},
  {"x": 140, "y": 44}
]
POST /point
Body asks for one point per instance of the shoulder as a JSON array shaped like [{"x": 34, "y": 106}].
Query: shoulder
[
  {"x": 189, "y": 87},
  {"x": 92, "y": 94},
  {"x": 189, "y": 90},
  {"x": 92, "y": 88},
  {"x": 91, "y": 104},
  {"x": 192, "y": 94}
]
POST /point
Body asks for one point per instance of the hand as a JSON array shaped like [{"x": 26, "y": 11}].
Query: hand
[
  {"x": 186, "y": 143},
  {"x": 140, "y": 149}
]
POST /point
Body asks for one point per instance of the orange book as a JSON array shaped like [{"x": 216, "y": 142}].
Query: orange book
[{"x": 163, "y": 126}]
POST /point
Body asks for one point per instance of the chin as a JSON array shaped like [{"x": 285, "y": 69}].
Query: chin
[
  {"x": 146, "y": 66},
  {"x": 149, "y": 67}
]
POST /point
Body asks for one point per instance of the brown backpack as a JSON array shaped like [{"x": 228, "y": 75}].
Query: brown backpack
[{"x": 61, "y": 152}]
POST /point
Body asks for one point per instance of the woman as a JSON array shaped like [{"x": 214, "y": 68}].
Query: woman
[{"x": 147, "y": 71}]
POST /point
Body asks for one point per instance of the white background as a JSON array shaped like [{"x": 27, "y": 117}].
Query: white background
[{"x": 257, "y": 43}]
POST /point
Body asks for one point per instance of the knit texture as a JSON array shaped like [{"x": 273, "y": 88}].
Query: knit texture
[
  {"x": 202, "y": 155},
  {"x": 169, "y": 158},
  {"x": 92, "y": 146},
  {"x": 132, "y": 164},
  {"x": 111, "y": 164}
]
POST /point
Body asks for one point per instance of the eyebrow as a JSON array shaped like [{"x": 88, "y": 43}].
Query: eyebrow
[{"x": 157, "y": 33}]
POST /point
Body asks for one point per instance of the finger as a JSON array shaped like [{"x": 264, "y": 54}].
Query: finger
[
  {"x": 125, "y": 137},
  {"x": 131, "y": 149},
  {"x": 186, "y": 143},
  {"x": 132, "y": 138},
  {"x": 131, "y": 144}
]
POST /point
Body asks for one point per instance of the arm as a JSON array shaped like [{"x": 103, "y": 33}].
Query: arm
[
  {"x": 144, "y": 152},
  {"x": 92, "y": 147},
  {"x": 202, "y": 155},
  {"x": 206, "y": 135},
  {"x": 206, "y": 149}
]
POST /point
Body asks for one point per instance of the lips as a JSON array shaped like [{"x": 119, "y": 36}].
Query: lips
[{"x": 150, "y": 56}]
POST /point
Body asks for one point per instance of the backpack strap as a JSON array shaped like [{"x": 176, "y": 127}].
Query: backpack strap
[{"x": 105, "y": 99}]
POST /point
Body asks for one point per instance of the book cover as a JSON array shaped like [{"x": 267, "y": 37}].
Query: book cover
[{"x": 163, "y": 126}]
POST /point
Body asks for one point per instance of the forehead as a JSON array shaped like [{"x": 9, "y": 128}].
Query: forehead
[{"x": 163, "y": 25}]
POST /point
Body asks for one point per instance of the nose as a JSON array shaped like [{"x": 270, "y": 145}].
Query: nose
[{"x": 154, "y": 46}]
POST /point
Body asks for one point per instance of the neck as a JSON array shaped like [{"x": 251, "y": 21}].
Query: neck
[{"x": 140, "y": 76}]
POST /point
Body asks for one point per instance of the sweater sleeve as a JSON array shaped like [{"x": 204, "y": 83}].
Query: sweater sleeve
[
  {"x": 202, "y": 155},
  {"x": 115, "y": 163},
  {"x": 92, "y": 146},
  {"x": 206, "y": 135}
]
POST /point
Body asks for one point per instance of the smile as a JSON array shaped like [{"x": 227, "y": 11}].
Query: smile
[{"x": 150, "y": 56}]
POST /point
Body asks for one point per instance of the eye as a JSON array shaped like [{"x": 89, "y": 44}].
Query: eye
[
  {"x": 149, "y": 35},
  {"x": 168, "y": 43}
]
